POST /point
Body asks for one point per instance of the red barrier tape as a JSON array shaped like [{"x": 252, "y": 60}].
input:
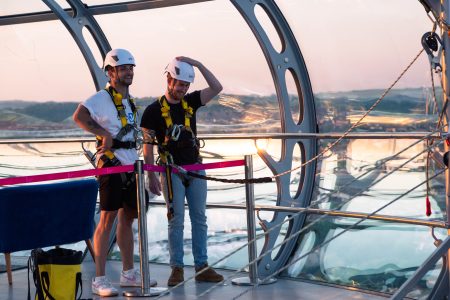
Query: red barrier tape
[{"x": 112, "y": 170}]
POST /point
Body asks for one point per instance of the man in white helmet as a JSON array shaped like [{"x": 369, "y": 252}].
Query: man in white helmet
[
  {"x": 172, "y": 119},
  {"x": 111, "y": 115}
]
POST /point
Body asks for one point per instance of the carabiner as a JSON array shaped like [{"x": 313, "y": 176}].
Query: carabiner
[{"x": 176, "y": 131}]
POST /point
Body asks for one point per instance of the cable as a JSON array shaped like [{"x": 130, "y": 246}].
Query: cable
[{"x": 357, "y": 123}]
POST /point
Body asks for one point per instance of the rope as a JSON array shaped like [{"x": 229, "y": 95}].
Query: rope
[
  {"x": 436, "y": 105},
  {"x": 340, "y": 189},
  {"x": 357, "y": 123},
  {"x": 444, "y": 107},
  {"x": 241, "y": 181}
]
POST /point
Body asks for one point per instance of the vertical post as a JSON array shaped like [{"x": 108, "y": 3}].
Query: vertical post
[
  {"x": 252, "y": 278},
  {"x": 251, "y": 226},
  {"x": 142, "y": 219},
  {"x": 143, "y": 240}
]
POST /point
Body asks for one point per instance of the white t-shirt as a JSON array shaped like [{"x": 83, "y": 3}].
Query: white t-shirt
[{"x": 104, "y": 112}]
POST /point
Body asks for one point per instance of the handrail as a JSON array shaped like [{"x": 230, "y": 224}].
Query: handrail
[
  {"x": 334, "y": 213},
  {"x": 244, "y": 136},
  {"x": 422, "y": 270}
]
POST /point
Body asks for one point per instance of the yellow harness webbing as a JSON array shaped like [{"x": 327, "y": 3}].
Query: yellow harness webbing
[
  {"x": 117, "y": 100},
  {"x": 165, "y": 113},
  {"x": 164, "y": 155}
]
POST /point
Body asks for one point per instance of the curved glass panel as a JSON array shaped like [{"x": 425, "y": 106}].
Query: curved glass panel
[
  {"x": 374, "y": 256},
  {"x": 221, "y": 40},
  {"x": 296, "y": 104},
  {"x": 248, "y": 102},
  {"x": 372, "y": 176},
  {"x": 359, "y": 45},
  {"x": 269, "y": 28},
  {"x": 356, "y": 50},
  {"x": 39, "y": 72},
  {"x": 349, "y": 69}
]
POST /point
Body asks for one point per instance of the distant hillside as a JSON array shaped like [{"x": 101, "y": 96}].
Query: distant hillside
[
  {"x": 234, "y": 113},
  {"x": 49, "y": 111},
  {"x": 9, "y": 118},
  {"x": 15, "y": 104}
]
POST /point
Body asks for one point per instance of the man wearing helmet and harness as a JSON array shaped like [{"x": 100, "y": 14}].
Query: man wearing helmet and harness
[
  {"x": 111, "y": 115},
  {"x": 172, "y": 120}
]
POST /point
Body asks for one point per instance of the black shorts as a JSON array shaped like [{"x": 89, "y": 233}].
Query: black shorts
[{"x": 115, "y": 195}]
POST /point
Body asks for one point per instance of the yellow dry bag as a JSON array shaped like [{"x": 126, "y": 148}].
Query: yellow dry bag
[{"x": 56, "y": 274}]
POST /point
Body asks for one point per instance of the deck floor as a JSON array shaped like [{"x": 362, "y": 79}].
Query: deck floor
[{"x": 282, "y": 289}]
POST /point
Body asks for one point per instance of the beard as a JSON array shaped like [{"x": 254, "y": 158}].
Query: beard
[
  {"x": 125, "y": 81},
  {"x": 175, "y": 95}
]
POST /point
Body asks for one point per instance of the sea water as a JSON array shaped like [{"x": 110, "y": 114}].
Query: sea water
[{"x": 373, "y": 247}]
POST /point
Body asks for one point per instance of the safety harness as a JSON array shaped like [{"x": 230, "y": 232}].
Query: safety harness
[
  {"x": 172, "y": 134},
  {"x": 109, "y": 159},
  {"x": 173, "y": 131}
]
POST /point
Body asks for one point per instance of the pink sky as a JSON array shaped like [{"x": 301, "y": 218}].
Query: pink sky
[{"x": 347, "y": 44}]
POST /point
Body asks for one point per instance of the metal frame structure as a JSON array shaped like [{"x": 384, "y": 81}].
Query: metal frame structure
[
  {"x": 75, "y": 22},
  {"x": 288, "y": 60},
  {"x": 420, "y": 272},
  {"x": 302, "y": 133},
  {"x": 441, "y": 12}
]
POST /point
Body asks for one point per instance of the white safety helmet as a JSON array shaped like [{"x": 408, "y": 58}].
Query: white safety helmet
[
  {"x": 181, "y": 70},
  {"x": 118, "y": 57}
]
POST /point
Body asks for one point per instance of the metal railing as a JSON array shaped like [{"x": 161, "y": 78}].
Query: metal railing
[{"x": 254, "y": 136}]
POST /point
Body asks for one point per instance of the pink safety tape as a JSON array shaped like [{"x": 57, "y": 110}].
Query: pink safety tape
[
  {"x": 112, "y": 170},
  {"x": 65, "y": 175}
]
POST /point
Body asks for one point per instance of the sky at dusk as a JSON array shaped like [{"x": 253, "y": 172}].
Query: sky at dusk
[{"x": 347, "y": 45}]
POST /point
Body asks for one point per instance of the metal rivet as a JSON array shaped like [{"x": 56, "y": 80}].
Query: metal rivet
[
  {"x": 268, "y": 267},
  {"x": 286, "y": 60}
]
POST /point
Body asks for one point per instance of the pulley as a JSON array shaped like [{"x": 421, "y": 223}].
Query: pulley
[{"x": 430, "y": 43}]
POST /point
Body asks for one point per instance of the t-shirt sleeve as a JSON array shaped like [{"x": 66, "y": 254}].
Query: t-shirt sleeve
[
  {"x": 92, "y": 105},
  {"x": 194, "y": 100},
  {"x": 148, "y": 119}
]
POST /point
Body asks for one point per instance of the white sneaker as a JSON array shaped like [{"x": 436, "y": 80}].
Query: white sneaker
[
  {"x": 102, "y": 286},
  {"x": 133, "y": 278}
]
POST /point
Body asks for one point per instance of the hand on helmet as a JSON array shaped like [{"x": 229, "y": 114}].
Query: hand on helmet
[{"x": 188, "y": 60}]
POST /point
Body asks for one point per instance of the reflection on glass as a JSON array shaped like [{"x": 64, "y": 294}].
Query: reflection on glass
[{"x": 369, "y": 256}]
